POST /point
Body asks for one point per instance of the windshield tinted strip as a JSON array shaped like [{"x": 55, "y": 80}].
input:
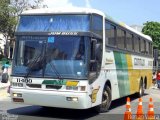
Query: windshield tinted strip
[{"x": 54, "y": 22}]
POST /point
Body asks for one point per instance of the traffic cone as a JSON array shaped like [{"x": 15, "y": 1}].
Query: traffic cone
[
  {"x": 128, "y": 114},
  {"x": 150, "y": 114},
  {"x": 140, "y": 115}
]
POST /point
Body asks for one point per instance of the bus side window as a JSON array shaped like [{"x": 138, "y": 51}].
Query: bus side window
[
  {"x": 110, "y": 34},
  {"x": 142, "y": 44},
  {"x": 147, "y": 47},
  {"x": 121, "y": 38}
]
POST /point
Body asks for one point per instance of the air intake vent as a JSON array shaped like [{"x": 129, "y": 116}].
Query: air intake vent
[
  {"x": 34, "y": 85},
  {"x": 53, "y": 87}
]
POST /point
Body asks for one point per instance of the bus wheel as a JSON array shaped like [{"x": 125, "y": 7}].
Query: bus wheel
[
  {"x": 106, "y": 100},
  {"x": 141, "y": 89}
]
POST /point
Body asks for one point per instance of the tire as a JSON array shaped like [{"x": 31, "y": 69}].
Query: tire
[
  {"x": 5, "y": 78},
  {"x": 106, "y": 100},
  {"x": 141, "y": 89}
]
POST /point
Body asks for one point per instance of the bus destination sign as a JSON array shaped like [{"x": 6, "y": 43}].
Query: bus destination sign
[{"x": 63, "y": 33}]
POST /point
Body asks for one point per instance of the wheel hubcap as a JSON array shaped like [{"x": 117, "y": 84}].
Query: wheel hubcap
[
  {"x": 140, "y": 91},
  {"x": 105, "y": 98}
]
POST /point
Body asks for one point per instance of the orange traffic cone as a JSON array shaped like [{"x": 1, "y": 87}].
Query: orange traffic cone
[
  {"x": 140, "y": 115},
  {"x": 150, "y": 113},
  {"x": 128, "y": 114}
]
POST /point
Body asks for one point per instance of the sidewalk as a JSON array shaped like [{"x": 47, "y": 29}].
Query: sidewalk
[{"x": 4, "y": 85}]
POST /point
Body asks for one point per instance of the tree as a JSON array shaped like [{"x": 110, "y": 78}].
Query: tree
[
  {"x": 22, "y": 5},
  {"x": 153, "y": 29},
  {"x": 9, "y": 11},
  {"x": 8, "y": 20}
]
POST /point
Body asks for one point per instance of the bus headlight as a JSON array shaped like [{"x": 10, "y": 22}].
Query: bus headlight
[
  {"x": 17, "y": 95},
  {"x": 14, "y": 84},
  {"x": 74, "y": 99},
  {"x": 81, "y": 88},
  {"x": 71, "y": 87}
]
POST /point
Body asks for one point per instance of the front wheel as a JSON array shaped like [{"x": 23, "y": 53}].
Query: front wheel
[{"x": 106, "y": 100}]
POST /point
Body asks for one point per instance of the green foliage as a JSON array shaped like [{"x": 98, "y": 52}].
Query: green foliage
[
  {"x": 8, "y": 19},
  {"x": 9, "y": 11},
  {"x": 153, "y": 29}
]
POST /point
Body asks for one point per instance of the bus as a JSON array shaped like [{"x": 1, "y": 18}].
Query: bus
[{"x": 78, "y": 58}]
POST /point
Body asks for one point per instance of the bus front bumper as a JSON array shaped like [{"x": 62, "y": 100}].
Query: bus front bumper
[{"x": 59, "y": 99}]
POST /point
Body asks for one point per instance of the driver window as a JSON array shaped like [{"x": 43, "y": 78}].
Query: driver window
[{"x": 96, "y": 59}]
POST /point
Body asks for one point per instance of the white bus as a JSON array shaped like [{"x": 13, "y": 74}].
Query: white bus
[{"x": 78, "y": 58}]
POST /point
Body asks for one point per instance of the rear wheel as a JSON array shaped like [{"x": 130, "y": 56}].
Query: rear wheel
[
  {"x": 141, "y": 89},
  {"x": 106, "y": 100}
]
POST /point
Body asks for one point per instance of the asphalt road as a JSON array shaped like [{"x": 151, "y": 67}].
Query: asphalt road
[{"x": 28, "y": 112}]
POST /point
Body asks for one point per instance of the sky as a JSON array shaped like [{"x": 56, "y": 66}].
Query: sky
[{"x": 131, "y": 12}]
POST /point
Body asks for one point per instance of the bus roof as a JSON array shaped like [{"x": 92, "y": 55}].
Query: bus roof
[
  {"x": 63, "y": 10},
  {"x": 135, "y": 31},
  {"x": 80, "y": 10},
  {"x": 128, "y": 27}
]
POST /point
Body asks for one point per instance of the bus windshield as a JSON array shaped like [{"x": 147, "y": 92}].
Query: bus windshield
[
  {"x": 45, "y": 23},
  {"x": 46, "y": 56}
]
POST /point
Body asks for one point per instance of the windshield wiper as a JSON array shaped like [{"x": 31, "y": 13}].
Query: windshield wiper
[
  {"x": 55, "y": 71},
  {"x": 38, "y": 62},
  {"x": 53, "y": 67}
]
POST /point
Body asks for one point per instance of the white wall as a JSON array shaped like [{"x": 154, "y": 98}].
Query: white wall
[{"x": 2, "y": 42}]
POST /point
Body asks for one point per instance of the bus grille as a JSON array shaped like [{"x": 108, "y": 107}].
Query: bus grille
[
  {"x": 34, "y": 85},
  {"x": 53, "y": 87}
]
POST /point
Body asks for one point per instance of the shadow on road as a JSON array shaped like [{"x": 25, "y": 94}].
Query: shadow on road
[
  {"x": 122, "y": 101},
  {"x": 53, "y": 112},
  {"x": 58, "y": 113}
]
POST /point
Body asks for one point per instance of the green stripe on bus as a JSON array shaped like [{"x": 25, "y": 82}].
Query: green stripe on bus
[
  {"x": 122, "y": 73},
  {"x": 54, "y": 82}
]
